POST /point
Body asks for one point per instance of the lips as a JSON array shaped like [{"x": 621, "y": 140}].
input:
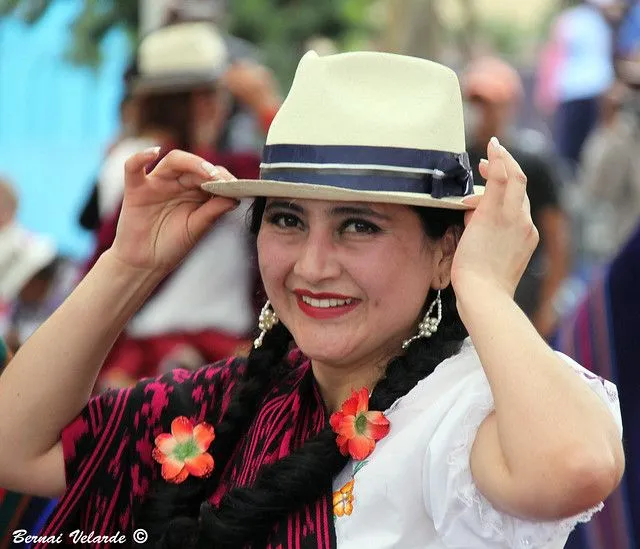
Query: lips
[
  {"x": 326, "y": 302},
  {"x": 325, "y": 305}
]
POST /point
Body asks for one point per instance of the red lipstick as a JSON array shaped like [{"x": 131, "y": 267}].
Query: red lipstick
[{"x": 322, "y": 313}]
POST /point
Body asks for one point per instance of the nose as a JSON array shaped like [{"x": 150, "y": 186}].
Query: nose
[{"x": 318, "y": 258}]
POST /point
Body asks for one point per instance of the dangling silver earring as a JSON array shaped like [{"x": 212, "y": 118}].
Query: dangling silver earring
[
  {"x": 429, "y": 324},
  {"x": 267, "y": 320}
]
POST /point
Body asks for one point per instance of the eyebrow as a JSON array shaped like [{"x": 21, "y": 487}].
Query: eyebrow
[
  {"x": 358, "y": 210},
  {"x": 283, "y": 204},
  {"x": 338, "y": 210}
]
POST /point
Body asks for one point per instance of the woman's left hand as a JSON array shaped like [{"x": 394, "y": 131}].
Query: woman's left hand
[{"x": 499, "y": 236}]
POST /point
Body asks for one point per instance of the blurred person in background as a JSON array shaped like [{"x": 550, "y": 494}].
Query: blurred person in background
[
  {"x": 251, "y": 103},
  {"x": 183, "y": 91},
  {"x": 575, "y": 70},
  {"x": 609, "y": 174},
  {"x": 610, "y": 165},
  {"x": 245, "y": 128},
  {"x": 602, "y": 333},
  {"x": 34, "y": 281},
  {"x": 95, "y": 206},
  {"x": 493, "y": 92},
  {"x": 193, "y": 108}
]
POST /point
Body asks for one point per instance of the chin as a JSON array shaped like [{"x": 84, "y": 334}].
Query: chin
[{"x": 328, "y": 352}]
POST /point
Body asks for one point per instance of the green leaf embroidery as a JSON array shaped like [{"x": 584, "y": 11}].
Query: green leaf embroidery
[{"x": 359, "y": 465}]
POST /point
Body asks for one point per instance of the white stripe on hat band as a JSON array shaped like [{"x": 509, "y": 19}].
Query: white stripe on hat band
[{"x": 375, "y": 167}]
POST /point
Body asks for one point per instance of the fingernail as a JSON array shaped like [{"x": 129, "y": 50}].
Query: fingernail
[
  {"x": 484, "y": 161},
  {"x": 495, "y": 142},
  {"x": 152, "y": 150},
  {"x": 209, "y": 168}
]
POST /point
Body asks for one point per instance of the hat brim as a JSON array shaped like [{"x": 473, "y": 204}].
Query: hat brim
[
  {"x": 174, "y": 83},
  {"x": 252, "y": 188}
]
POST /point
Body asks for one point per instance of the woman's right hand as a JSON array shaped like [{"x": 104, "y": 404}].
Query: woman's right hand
[{"x": 165, "y": 213}]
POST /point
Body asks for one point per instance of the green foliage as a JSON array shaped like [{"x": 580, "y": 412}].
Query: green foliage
[
  {"x": 504, "y": 36},
  {"x": 279, "y": 27},
  {"x": 92, "y": 24},
  {"x": 29, "y": 10}
]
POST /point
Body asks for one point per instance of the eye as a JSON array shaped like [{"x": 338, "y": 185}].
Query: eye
[
  {"x": 284, "y": 220},
  {"x": 359, "y": 226}
]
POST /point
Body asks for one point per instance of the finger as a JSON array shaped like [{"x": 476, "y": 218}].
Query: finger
[
  {"x": 526, "y": 205},
  {"x": 483, "y": 168},
  {"x": 216, "y": 173},
  {"x": 497, "y": 177},
  {"x": 467, "y": 216},
  {"x": 134, "y": 167},
  {"x": 180, "y": 163},
  {"x": 222, "y": 174},
  {"x": 200, "y": 220},
  {"x": 472, "y": 201},
  {"x": 516, "y": 189}
]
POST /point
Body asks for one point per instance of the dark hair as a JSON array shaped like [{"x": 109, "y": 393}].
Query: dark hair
[
  {"x": 167, "y": 111},
  {"x": 246, "y": 516},
  {"x": 49, "y": 271}
]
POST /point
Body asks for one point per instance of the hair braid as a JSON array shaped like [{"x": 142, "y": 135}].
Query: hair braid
[
  {"x": 168, "y": 515},
  {"x": 247, "y": 515}
]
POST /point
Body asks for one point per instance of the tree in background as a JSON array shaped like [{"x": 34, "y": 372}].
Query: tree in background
[
  {"x": 280, "y": 28},
  {"x": 417, "y": 27},
  {"x": 92, "y": 24},
  {"x": 451, "y": 31}
]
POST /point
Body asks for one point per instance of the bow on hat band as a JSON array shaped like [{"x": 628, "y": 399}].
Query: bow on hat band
[{"x": 384, "y": 169}]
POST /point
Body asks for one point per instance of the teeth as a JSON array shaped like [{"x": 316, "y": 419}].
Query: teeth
[{"x": 326, "y": 303}]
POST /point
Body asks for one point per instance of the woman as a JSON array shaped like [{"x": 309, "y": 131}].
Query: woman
[
  {"x": 185, "y": 106},
  {"x": 383, "y": 426}
]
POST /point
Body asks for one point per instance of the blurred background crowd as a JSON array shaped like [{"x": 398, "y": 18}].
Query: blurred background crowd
[{"x": 85, "y": 83}]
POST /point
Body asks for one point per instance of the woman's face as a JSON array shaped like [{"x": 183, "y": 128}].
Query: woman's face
[{"x": 349, "y": 280}]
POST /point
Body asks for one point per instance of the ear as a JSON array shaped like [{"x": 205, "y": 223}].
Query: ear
[{"x": 444, "y": 258}]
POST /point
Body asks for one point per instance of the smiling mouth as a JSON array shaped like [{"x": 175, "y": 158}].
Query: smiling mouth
[{"x": 325, "y": 303}]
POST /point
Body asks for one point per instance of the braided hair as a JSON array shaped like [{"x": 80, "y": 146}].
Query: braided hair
[{"x": 180, "y": 516}]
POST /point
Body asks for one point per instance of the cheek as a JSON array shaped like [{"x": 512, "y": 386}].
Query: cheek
[
  {"x": 274, "y": 261},
  {"x": 393, "y": 275}
]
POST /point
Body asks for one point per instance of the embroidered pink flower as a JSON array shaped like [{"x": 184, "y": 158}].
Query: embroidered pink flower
[
  {"x": 357, "y": 428},
  {"x": 183, "y": 452}
]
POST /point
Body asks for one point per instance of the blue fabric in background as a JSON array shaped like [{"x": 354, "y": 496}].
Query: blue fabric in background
[
  {"x": 56, "y": 120},
  {"x": 602, "y": 335}
]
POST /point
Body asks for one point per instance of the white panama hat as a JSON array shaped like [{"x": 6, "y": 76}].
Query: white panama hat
[
  {"x": 180, "y": 56},
  {"x": 22, "y": 256},
  {"x": 368, "y": 127}
]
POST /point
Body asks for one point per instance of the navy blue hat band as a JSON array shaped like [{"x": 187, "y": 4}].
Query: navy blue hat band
[{"x": 385, "y": 169}]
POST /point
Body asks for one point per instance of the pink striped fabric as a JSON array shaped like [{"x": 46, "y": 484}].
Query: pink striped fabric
[{"x": 108, "y": 447}]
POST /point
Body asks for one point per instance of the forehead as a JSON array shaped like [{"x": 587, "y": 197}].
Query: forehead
[{"x": 338, "y": 206}]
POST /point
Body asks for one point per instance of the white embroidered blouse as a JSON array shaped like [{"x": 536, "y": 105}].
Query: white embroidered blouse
[{"x": 416, "y": 490}]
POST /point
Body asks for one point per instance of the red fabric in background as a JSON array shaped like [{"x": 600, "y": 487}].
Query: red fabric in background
[{"x": 141, "y": 357}]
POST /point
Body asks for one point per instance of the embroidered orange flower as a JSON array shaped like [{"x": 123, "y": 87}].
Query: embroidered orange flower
[
  {"x": 343, "y": 500},
  {"x": 183, "y": 452},
  {"x": 356, "y": 427}
]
